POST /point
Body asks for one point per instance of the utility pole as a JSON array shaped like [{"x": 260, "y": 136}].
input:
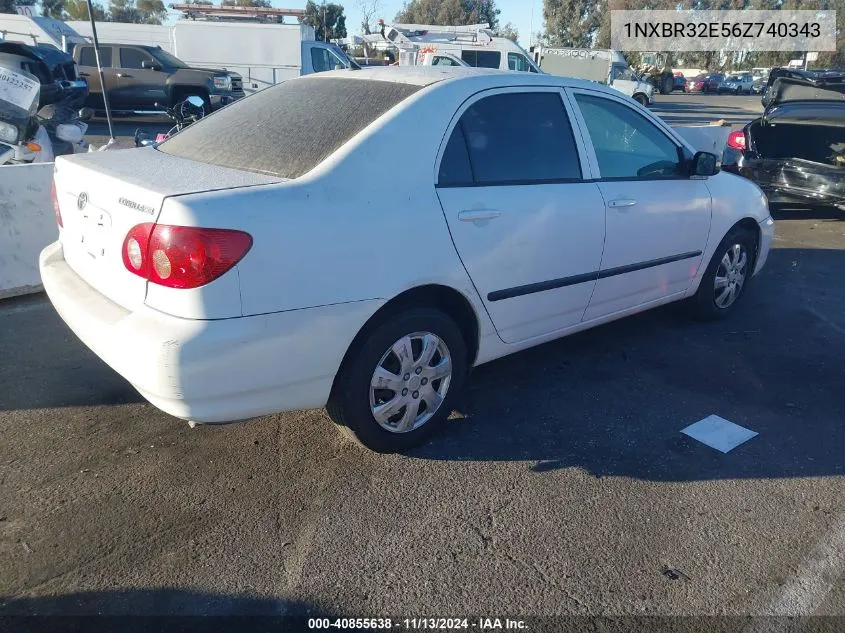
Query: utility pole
[{"x": 325, "y": 26}]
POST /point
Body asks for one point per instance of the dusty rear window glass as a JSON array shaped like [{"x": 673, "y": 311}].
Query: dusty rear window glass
[{"x": 288, "y": 129}]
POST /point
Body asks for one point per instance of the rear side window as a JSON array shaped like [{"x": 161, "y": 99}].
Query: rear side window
[
  {"x": 455, "y": 169},
  {"x": 515, "y": 138},
  {"x": 288, "y": 129},
  {"x": 482, "y": 59},
  {"x": 88, "y": 58}
]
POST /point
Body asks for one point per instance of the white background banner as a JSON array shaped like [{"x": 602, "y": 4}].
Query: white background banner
[{"x": 749, "y": 30}]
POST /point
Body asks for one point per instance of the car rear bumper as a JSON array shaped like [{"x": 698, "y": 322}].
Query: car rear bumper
[{"x": 209, "y": 371}]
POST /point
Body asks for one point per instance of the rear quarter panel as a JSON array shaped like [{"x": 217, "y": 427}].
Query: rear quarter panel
[{"x": 365, "y": 224}]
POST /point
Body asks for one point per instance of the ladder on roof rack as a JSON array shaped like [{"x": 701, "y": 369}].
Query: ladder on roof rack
[{"x": 408, "y": 36}]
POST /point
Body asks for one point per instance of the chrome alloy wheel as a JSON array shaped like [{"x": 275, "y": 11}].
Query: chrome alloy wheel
[
  {"x": 730, "y": 276},
  {"x": 410, "y": 382}
]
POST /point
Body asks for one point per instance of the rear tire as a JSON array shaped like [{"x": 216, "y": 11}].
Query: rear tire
[
  {"x": 641, "y": 99},
  {"x": 398, "y": 384},
  {"x": 727, "y": 276}
]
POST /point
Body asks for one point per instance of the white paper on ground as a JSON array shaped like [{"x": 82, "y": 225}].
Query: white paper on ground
[{"x": 719, "y": 433}]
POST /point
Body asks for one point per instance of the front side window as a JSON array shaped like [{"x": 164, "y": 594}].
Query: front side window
[
  {"x": 133, "y": 58},
  {"x": 444, "y": 61},
  {"x": 322, "y": 60},
  {"x": 519, "y": 62},
  {"x": 167, "y": 60},
  {"x": 482, "y": 59},
  {"x": 627, "y": 145},
  {"x": 514, "y": 138}
]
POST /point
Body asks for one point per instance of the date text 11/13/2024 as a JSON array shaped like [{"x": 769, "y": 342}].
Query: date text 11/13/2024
[{"x": 419, "y": 624}]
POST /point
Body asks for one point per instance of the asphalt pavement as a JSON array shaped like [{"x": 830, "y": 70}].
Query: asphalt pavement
[
  {"x": 563, "y": 485},
  {"x": 697, "y": 109}
]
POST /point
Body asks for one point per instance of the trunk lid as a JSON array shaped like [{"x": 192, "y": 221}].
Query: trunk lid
[
  {"x": 800, "y": 151},
  {"x": 814, "y": 113},
  {"x": 102, "y": 195}
]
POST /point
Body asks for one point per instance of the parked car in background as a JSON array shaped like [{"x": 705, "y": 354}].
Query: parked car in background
[
  {"x": 796, "y": 150},
  {"x": 542, "y": 200},
  {"x": 679, "y": 82},
  {"x": 705, "y": 83},
  {"x": 713, "y": 82},
  {"x": 696, "y": 84},
  {"x": 736, "y": 85},
  {"x": 261, "y": 55},
  {"x": 139, "y": 77}
]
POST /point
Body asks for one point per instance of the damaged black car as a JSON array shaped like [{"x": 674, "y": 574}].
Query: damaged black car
[{"x": 796, "y": 151}]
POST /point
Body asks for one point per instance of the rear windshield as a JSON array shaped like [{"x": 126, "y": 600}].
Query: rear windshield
[{"x": 288, "y": 129}]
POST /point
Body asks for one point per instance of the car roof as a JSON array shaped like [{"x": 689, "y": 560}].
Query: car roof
[{"x": 489, "y": 77}]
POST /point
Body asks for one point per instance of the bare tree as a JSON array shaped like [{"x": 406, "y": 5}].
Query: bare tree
[{"x": 369, "y": 13}]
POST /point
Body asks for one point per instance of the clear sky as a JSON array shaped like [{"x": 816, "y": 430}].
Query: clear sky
[{"x": 516, "y": 11}]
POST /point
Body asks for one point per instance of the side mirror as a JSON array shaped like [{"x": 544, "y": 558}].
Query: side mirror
[
  {"x": 85, "y": 114},
  {"x": 68, "y": 133},
  {"x": 148, "y": 65},
  {"x": 705, "y": 164}
]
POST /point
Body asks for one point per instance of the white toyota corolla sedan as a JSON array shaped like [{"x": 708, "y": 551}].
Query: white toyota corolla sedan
[{"x": 360, "y": 239}]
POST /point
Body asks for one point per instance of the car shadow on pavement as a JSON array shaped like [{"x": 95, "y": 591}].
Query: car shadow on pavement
[
  {"x": 46, "y": 366},
  {"x": 613, "y": 400},
  {"x": 156, "y": 610}
]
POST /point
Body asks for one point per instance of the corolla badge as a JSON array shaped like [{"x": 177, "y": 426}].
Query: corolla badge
[
  {"x": 137, "y": 206},
  {"x": 81, "y": 201}
]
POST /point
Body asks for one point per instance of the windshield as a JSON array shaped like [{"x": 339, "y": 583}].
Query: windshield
[
  {"x": 166, "y": 59},
  {"x": 734, "y": 78},
  {"x": 625, "y": 73}
]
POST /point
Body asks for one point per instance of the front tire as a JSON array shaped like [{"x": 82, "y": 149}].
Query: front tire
[
  {"x": 398, "y": 385},
  {"x": 727, "y": 276},
  {"x": 641, "y": 99}
]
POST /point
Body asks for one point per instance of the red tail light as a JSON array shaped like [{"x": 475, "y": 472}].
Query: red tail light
[
  {"x": 55, "y": 197},
  {"x": 182, "y": 256},
  {"x": 736, "y": 140}
]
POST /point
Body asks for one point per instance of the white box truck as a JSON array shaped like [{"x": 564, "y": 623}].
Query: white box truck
[
  {"x": 601, "y": 65},
  {"x": 263, "y": 54}
]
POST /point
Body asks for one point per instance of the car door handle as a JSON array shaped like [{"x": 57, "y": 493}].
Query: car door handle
[
  {"x": 123, "y": 75},
  {"x": 477, "y": 215},
  {"x": 621, "y": 203},
  {"x": 84, "y": 75}
]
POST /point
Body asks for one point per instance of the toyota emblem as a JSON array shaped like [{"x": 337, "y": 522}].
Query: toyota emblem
[{"x": 81, "y": 201}]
